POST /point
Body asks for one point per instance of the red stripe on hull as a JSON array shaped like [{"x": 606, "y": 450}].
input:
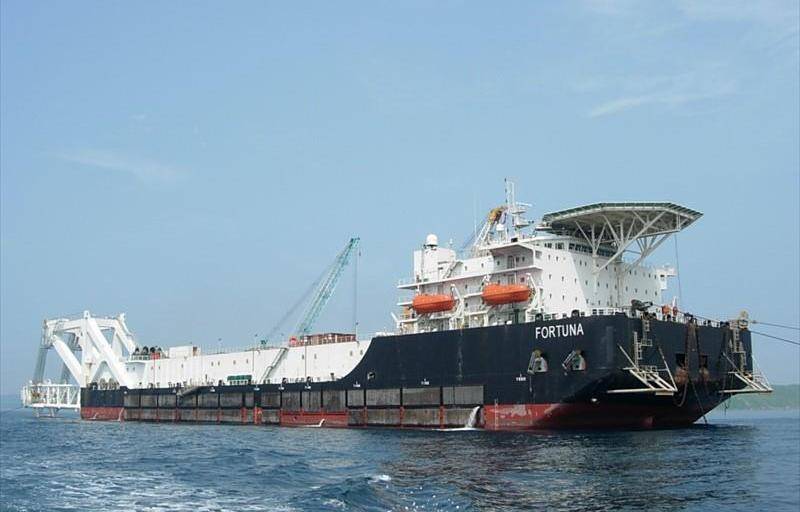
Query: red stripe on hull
[
  {"x": 556, "y": 416},
  {"x": 305, "y": 419},
  {"x": 103, "y": 413},
  {"x": 494, "y": 417}
]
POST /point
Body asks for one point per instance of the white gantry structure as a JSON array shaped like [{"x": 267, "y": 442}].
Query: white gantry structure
[
  {"x": 101, "y": 352},
  {"x": 101, "y": 343}
]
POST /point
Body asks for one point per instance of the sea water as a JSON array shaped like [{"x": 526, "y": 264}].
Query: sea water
[{"x": 741, "y": 461}]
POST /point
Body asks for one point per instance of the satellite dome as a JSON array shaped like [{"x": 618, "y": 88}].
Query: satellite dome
[{"x": 431, "y": 240}]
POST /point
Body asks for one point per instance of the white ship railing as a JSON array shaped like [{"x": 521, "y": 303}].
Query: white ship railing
[{"x": 47, "y": 395}]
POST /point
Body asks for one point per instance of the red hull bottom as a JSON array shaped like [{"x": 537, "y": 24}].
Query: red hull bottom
[
  {"x": 313, "y": 419},
  {"x": 103, "y": 413},
  {"x": 492, "y": 417},
  {"x": 558, "y": 416}
]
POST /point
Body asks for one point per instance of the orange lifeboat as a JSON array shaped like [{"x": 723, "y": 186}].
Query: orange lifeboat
[
  {"x": 496, "y": 294},
  {"x": 424, "y": 303}
]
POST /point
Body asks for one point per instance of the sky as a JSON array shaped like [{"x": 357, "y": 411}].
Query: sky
[{"x": 197, "y": 164}]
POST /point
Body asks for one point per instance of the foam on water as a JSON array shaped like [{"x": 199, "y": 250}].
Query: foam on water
[{"x": 737, "y": 463}]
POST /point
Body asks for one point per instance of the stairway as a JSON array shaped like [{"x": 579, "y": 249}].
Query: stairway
[
  {"x": 275, "y": 362},
  {"x": 648, "y": 375}
]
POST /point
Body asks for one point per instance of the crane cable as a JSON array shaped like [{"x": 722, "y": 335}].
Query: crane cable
[
  {"x": 793, "y": 342},
  {"x": 776, "y": 337},
  {"x": 775, "y": 325}
]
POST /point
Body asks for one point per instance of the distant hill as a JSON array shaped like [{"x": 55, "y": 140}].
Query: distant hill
[{"x": 782, "y": 397}]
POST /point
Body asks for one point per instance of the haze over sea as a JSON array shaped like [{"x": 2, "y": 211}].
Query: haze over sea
[{"x": 743, "y": 460}]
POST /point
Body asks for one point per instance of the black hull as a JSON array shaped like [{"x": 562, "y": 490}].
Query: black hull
[{"x": 438, "y": 379}]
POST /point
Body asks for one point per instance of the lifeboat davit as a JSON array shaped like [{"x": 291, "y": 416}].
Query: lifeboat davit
[
  {"x": 496, "y": 294},
  {"x": 424, "y": 303}
]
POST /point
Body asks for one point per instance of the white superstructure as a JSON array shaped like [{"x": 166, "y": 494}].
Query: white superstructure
[
  {"x": 572, "y": 261},
  {"x": 102, "y": 351}
]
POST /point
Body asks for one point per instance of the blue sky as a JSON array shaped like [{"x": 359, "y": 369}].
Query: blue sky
[{"x": 196, "y": 166}]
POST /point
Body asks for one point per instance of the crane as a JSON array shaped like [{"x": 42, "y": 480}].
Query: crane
[
  {"x": 325, "y": 290},
  {"x": 322, "y": 288}
]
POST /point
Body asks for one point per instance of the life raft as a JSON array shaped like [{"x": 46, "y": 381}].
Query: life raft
[
  {"x": 496, "y": 294},
  {"x": 429, "y": 303}
]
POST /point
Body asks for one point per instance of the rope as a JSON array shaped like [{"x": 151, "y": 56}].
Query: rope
[
  {"x": 700, "y": 405},
  {"x": 776, "y": 337},
  {"x": 686, "y": 369},
  {"x": 678, "y": 269},
  {"x": 692, "y": 327},
  {"x": 776, "y": 325},
  {"x": 793, "y": 342}
]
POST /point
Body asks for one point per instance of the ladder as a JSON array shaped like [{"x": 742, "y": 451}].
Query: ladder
[
  {"x": 737, "y": 349},
  {"x": 271, "y": 368},
  {"x": 755, "y": 381},
  {"x": 650, "y": 376},
  {"x": 639, "y": 345}
]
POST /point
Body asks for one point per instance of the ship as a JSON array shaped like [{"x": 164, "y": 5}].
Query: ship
[{"x": 559, "y": 323}]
